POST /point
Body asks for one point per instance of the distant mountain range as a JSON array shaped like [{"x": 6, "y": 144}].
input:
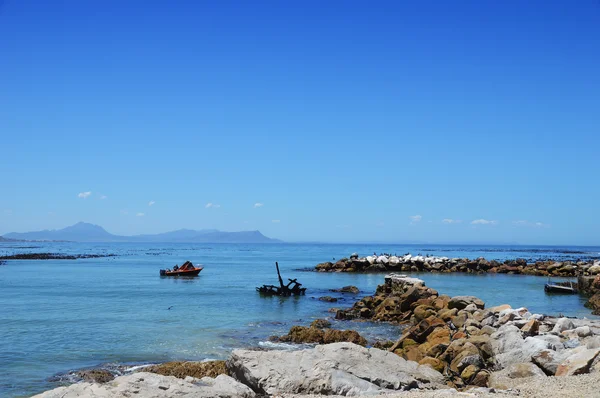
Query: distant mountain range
[{"x": 85, "y": 232}]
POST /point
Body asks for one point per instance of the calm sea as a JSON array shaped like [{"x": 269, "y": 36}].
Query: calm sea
[{"x": 61, "y": 315}]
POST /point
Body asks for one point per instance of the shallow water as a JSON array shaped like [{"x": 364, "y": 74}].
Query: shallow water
[{"x": 59, "y": 315}]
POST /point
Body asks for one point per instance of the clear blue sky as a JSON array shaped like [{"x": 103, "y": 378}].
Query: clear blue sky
[{"x": 343, "y": 119}]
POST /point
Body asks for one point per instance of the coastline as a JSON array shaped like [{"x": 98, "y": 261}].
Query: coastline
[{"x": 480, "y": 345}]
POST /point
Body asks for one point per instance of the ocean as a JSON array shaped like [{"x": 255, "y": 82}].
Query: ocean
[{"x": 61, "y": 315}]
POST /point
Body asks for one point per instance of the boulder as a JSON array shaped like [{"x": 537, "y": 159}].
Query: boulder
[
  {"x": 504, "y": 379},
  {"x": 144, "y": 384},
  {"x": 499, "y": 308},
  {"x": 320, "y": 324},
  {"x": 461, "y": 302},
  {"x": 328, "y": 299},
  {"x": 333, "y": 369},
  {"x": 95, "y": 375},
  {"x": 347, "y": 289},
  {"x": 531, "y": 328},
  {"x": 549, "y": 360},
  {"x": 563, "y": 324},
  {"x": 578, "y": 363},
  {"x": 182, "y": 370}
]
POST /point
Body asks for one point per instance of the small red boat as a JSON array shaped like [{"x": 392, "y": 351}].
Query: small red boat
[{"x": 187, "y": 269}]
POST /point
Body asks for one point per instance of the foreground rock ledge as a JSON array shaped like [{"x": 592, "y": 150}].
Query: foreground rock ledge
[
  {"x": 146, "y": 385},
  {"x": 332, "y": 369}
]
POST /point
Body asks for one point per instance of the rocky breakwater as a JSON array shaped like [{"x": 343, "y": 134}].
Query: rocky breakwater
[
  {"x": 472, "y": 345},
  {"x": 409, "y": 263}
]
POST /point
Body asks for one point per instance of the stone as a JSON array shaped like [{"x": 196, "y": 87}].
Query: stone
[
  {"x": 471, "y": 308},
  {"x": 549, "y": 360},
  {"x": 182, "y": 370},
  {"x": 320, "y": 324},
  {"x": 469, "y": 372},
  {"x": 446, "y": 315},
  {"x": 481, "y": 378},
  {"x": 347, "y": 289},
  {"x": 531, "y": 328},
  {"x": 563, "y": 324},
  {"x": 144, "y": 384},
  {"x": 328, "y": 299},
  {"x": 423, "y": 311},
  {"x": 554, "y": 342},
  {"x": 499, "y": 308},
  {"x": 434, "y": 363},
  {"x": 338, "y": 336},
  {"x": 577, "y": 363},
  {"x": 459, "y": 320},
  {"x": 461, "y": 302},
  {"x": 95, "y": 375},
  {"x": 332, "y": 369},
  {"x": 487, "y": 329},
  {"x": 504, "y": 378}
]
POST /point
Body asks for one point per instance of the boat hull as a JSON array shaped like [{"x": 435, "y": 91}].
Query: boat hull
[
  {"x": 559, "y": 289},
  {"x": 192, "y": 272}
]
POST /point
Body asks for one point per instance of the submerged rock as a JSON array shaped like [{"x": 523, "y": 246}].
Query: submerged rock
[{"x": 347, "y": 289}]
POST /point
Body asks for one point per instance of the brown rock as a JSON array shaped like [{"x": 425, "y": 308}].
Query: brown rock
[
  {"x": 302, "y": 334},
  {"x": 435, "y": 363},
  {"x": 441, "y": 302},
  {"x": 481, "y": 378},
  {"x": 95, "y": 375},
  {"x": 499, "y": 308},
  {"x": 320, "y": 324},
  {"x": 578, "y": 363},
  {"x": 338, "y": 336},
  {"x": 469, "y": 372},
  {"x": 193, "y": 369},
  {"x": 412, "y": 353},
  {"x": 459, "y": 320},
  {"x": 328, "y": 299},
  {"x": 423, "y": 312},
  {"x": 447, "y": 315},
  {"x": 531, "y": 328}
]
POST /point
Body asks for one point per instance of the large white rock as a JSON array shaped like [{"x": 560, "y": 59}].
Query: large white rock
[
  {"x": 394, "y": 260},
  {"x": 510, "y": 347},
  {"x": 371, "y": 259},
  {"x": 563, "y": 324},
  {"x": 382, "y": 260},
  {"x": 150, "y": 385},
  {"x": 332, "y": 369},
  {"x": 578, "y": 363}
]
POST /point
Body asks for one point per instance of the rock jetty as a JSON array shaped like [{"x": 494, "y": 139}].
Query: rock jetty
[
  {"x": 472, "y": 345},
  {"x": 409, "y": 263}
]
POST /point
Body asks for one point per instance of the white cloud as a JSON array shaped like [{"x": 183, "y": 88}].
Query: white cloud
[
  {"x": 482, "y": 221},
  {"x": 276, "y": 221},
  {"x": 415, "y": 219},
  {"x": 258, "y": 204},
  {"x": 84, "y": 195},
  {"x": 451, "y": 221},
  {"x": 525, "y": 223},
  {"x": 140, "y": 214},
  {"x": 151, "y": 203},
  {"x": 213, "y": 205}
]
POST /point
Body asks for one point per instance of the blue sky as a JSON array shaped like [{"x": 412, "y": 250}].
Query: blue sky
[{"x": 398, "y": 121}]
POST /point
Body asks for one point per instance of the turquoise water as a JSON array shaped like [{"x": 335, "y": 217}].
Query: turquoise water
[{"x": 60, "y": 315}]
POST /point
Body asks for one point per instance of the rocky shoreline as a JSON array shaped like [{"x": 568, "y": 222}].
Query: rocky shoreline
[
  {"x": 409, "y": 263},
  {"x": 52, "y": 256},
  {"x": 449, "y": 344}
]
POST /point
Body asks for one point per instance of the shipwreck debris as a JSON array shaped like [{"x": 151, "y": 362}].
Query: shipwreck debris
[{"x": 293, "y": 288}]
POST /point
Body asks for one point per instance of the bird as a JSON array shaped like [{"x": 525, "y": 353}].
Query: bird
[{"x": 170, "y": 307}]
